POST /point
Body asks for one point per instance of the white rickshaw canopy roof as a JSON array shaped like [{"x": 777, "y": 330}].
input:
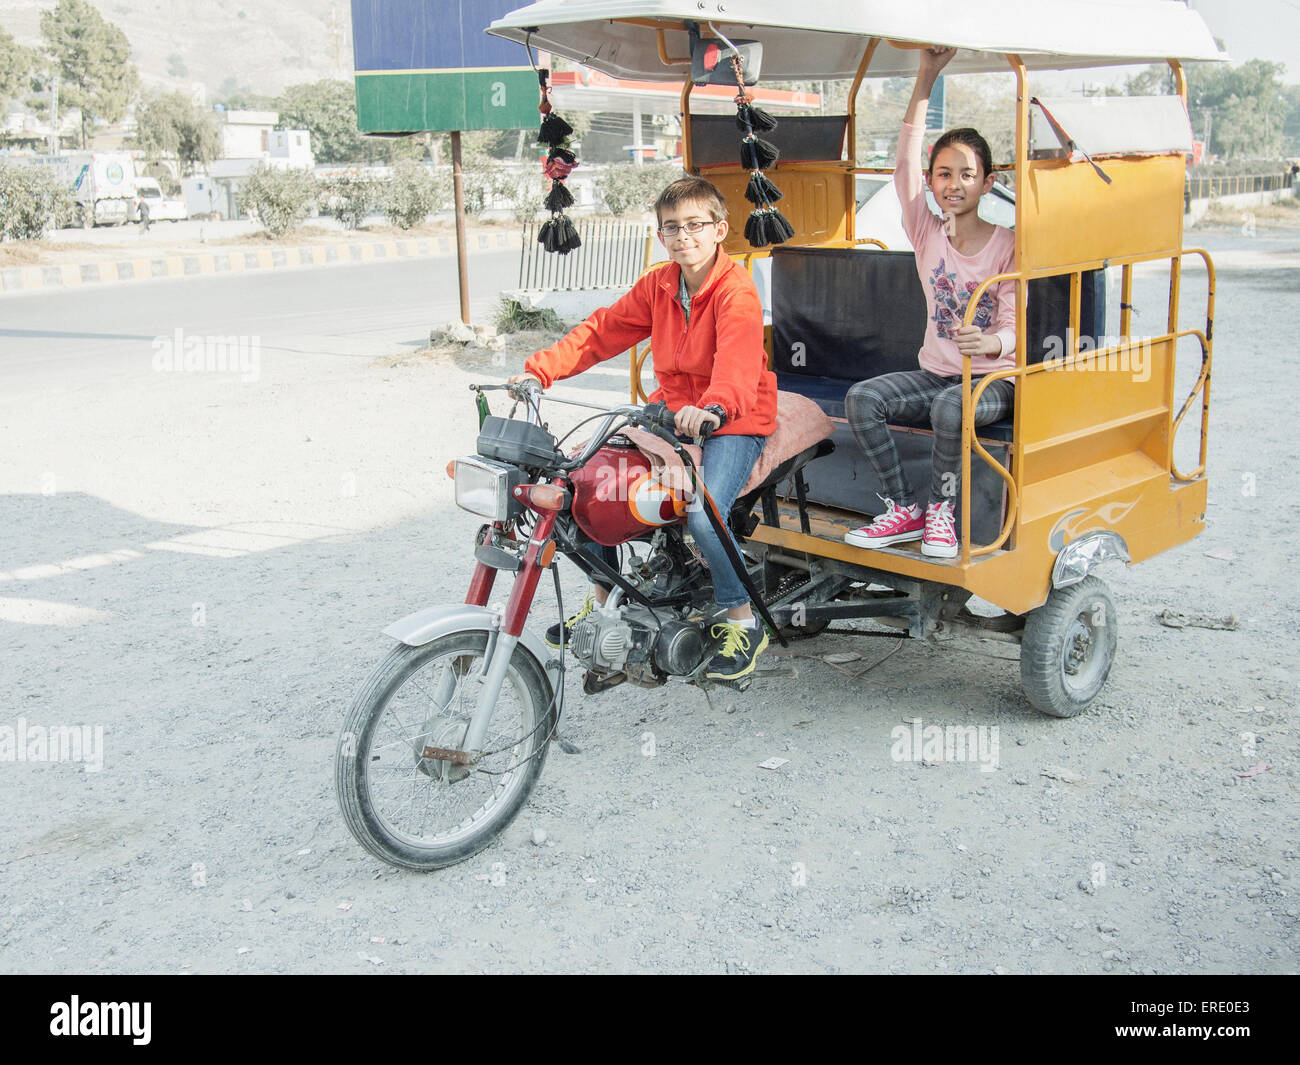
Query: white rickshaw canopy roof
[{"x": 830, "y": 36}]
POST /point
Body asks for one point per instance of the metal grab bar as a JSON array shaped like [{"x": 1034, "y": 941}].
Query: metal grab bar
[{"x": 1075, "y": 358}]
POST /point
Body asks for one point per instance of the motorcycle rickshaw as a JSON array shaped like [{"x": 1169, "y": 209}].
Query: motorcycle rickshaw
[{"x": 1083, "y": 473}]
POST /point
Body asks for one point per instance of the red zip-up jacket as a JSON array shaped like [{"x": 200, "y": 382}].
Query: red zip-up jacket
[{"x": 718, "y": 357}]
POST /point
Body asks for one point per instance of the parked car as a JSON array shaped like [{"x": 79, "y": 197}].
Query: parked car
[
  {"x": 161, "y": 208},
  {"x": 880, "y": 215}
]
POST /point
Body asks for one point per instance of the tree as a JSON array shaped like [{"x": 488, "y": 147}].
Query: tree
[
  {"x": 327, "y": 109},
  {"x": 92, "y": 59},
  {"x": 1246, "y": 107},
  {"x": 15, "y": 67},
  {"x": 233, "y": 95},
  {"x": 170, "y": 124},
  {"x": 627, "y": 187}
]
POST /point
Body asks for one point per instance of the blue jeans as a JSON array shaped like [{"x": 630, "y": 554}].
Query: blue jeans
[{"x": 728, "y": 462}]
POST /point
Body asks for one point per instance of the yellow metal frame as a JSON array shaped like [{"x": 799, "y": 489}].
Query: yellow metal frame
[{"x": 1116, "y": 472}]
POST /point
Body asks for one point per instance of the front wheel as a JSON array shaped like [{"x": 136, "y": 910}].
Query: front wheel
[
  {"x": 419, "y": 812},
  {"x": 1068, "y": 648}
]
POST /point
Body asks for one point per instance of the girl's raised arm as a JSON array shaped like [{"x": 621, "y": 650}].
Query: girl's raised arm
[
  {"x": 908, "y": 176},
  {"x": 933, "y": 60}
]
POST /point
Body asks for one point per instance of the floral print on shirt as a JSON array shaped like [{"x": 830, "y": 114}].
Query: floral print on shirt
[{"x": 950, "y": 300}]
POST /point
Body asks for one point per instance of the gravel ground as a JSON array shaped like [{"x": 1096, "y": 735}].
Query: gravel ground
[{"x": 202, "y": 567}]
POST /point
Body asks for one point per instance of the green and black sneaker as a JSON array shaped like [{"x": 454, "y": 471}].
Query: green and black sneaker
[
  {"x": 739, "y": 652},
  {"x": 553, "y": 633}
]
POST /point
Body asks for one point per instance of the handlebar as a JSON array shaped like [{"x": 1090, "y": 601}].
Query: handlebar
[{"x": 654, "y": 417}]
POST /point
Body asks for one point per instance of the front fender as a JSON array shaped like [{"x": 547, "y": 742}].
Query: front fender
[{"x": 428, "y": 624}]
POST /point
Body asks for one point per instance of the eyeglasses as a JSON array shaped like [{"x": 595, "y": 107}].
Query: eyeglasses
[{"x": 672, "y": 228}]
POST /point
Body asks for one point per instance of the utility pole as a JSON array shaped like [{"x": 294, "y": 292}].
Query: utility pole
[
  {"x": 334, "y": 34},
  {"x": 458, "y": 188},
  {"x": 54, "y": 114}
]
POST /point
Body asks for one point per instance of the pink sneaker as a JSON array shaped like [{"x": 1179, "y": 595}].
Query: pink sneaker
[
  {"x": 940, "y": 539},
  {"x": 892, "y": 527}
]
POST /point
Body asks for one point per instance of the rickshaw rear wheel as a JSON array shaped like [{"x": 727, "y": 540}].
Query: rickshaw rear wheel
[{"x": 1068, "y": 648}]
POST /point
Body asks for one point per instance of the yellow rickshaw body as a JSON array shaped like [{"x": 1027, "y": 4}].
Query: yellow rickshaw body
[{"x": 1092, "y": 448}]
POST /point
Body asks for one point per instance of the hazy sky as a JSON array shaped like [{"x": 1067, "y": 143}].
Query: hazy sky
[{"x": 1257, "y": 29}]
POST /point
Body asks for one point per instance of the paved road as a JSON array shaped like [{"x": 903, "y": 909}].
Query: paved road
[{"x": 361, "y": 311}]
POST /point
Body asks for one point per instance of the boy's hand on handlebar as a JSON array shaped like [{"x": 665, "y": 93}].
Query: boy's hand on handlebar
[
  {"x": 690, "y": 420},
  {"x": 523, "y": 379},
  {"x": 972, "y": 341}
]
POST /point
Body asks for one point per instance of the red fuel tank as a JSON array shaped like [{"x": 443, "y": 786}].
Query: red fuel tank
[{"x": 616, "y": 496}]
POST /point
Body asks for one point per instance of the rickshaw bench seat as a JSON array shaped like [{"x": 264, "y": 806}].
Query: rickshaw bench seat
[
  {"x": 829, "y": 392},
  {"x": 843, "y": 315}
]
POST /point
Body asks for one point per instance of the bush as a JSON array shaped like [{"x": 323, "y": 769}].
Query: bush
[
  {"x": 281, "y": 199},
  {"x": 522, "y": 193},
  {"x": 627, "y": 187},
  {"x": 482, "y": 184},
  {"x": 32, "y": 201},
  {"x": 414, "y": 192},
  {"x": 512, "y": 318},
  {"x": 348, "y": 197}
]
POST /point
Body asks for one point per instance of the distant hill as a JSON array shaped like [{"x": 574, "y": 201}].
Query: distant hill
[{"x": 263, "y": 45}]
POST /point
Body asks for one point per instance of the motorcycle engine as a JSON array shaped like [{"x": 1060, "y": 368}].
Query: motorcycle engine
[{"x": 632, "y": 641}]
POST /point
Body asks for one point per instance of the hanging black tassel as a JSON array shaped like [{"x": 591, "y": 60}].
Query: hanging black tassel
[
  {"x": 757, "y": 154},
  {"x": 751, "y": 119},
  {"x": 546, "y": 235},
  {"x": 779, "y": 229},
  {"x": 569, "y": 233},
  {"x": 760, "y": 190},
  {"x": 765, "y": 225},
  {"x": 559, "y": 235},
  {"x": 558, "y": 198},
  {"x": 554, "y": 130}
]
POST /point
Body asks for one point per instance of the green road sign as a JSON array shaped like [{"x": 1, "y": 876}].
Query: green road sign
[{"x": 401, "y": 101}]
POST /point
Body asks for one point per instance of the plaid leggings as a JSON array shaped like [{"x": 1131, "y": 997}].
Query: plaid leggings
[{"x": 912, "y": 396}]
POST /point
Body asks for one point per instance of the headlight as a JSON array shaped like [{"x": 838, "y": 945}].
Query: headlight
[{"x": 486, "y": 488}]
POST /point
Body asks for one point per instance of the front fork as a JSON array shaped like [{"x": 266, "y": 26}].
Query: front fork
[{"x": 502, "y": 640}]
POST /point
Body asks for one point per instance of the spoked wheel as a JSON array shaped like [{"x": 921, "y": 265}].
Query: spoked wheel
[
  {"x": 1068, "y": 648},
  {"x": 402, "y": 802}
]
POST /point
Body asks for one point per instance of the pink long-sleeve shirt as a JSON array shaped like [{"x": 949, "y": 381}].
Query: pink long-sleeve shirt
[{"x": 949, "y": 277}]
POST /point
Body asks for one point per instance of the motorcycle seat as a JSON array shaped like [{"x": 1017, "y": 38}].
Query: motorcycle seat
[{"x": 785, "y": 469}]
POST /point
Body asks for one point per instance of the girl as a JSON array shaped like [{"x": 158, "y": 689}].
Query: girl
[{"x": 953, "y": 255}]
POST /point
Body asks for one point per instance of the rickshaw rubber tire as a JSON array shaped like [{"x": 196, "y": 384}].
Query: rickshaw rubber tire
[
  {"x": 1042, "y": 647},
  {"x": 353, "y": 799}
]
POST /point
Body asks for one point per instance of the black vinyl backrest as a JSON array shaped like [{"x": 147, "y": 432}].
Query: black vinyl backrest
[
  {"x": 715, "y": 139},
  {"x": 852, "y": 314},
  {"x": 844, "y": 313}
]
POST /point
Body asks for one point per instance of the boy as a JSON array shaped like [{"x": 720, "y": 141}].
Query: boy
[{"x": 702, "y": 315}]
